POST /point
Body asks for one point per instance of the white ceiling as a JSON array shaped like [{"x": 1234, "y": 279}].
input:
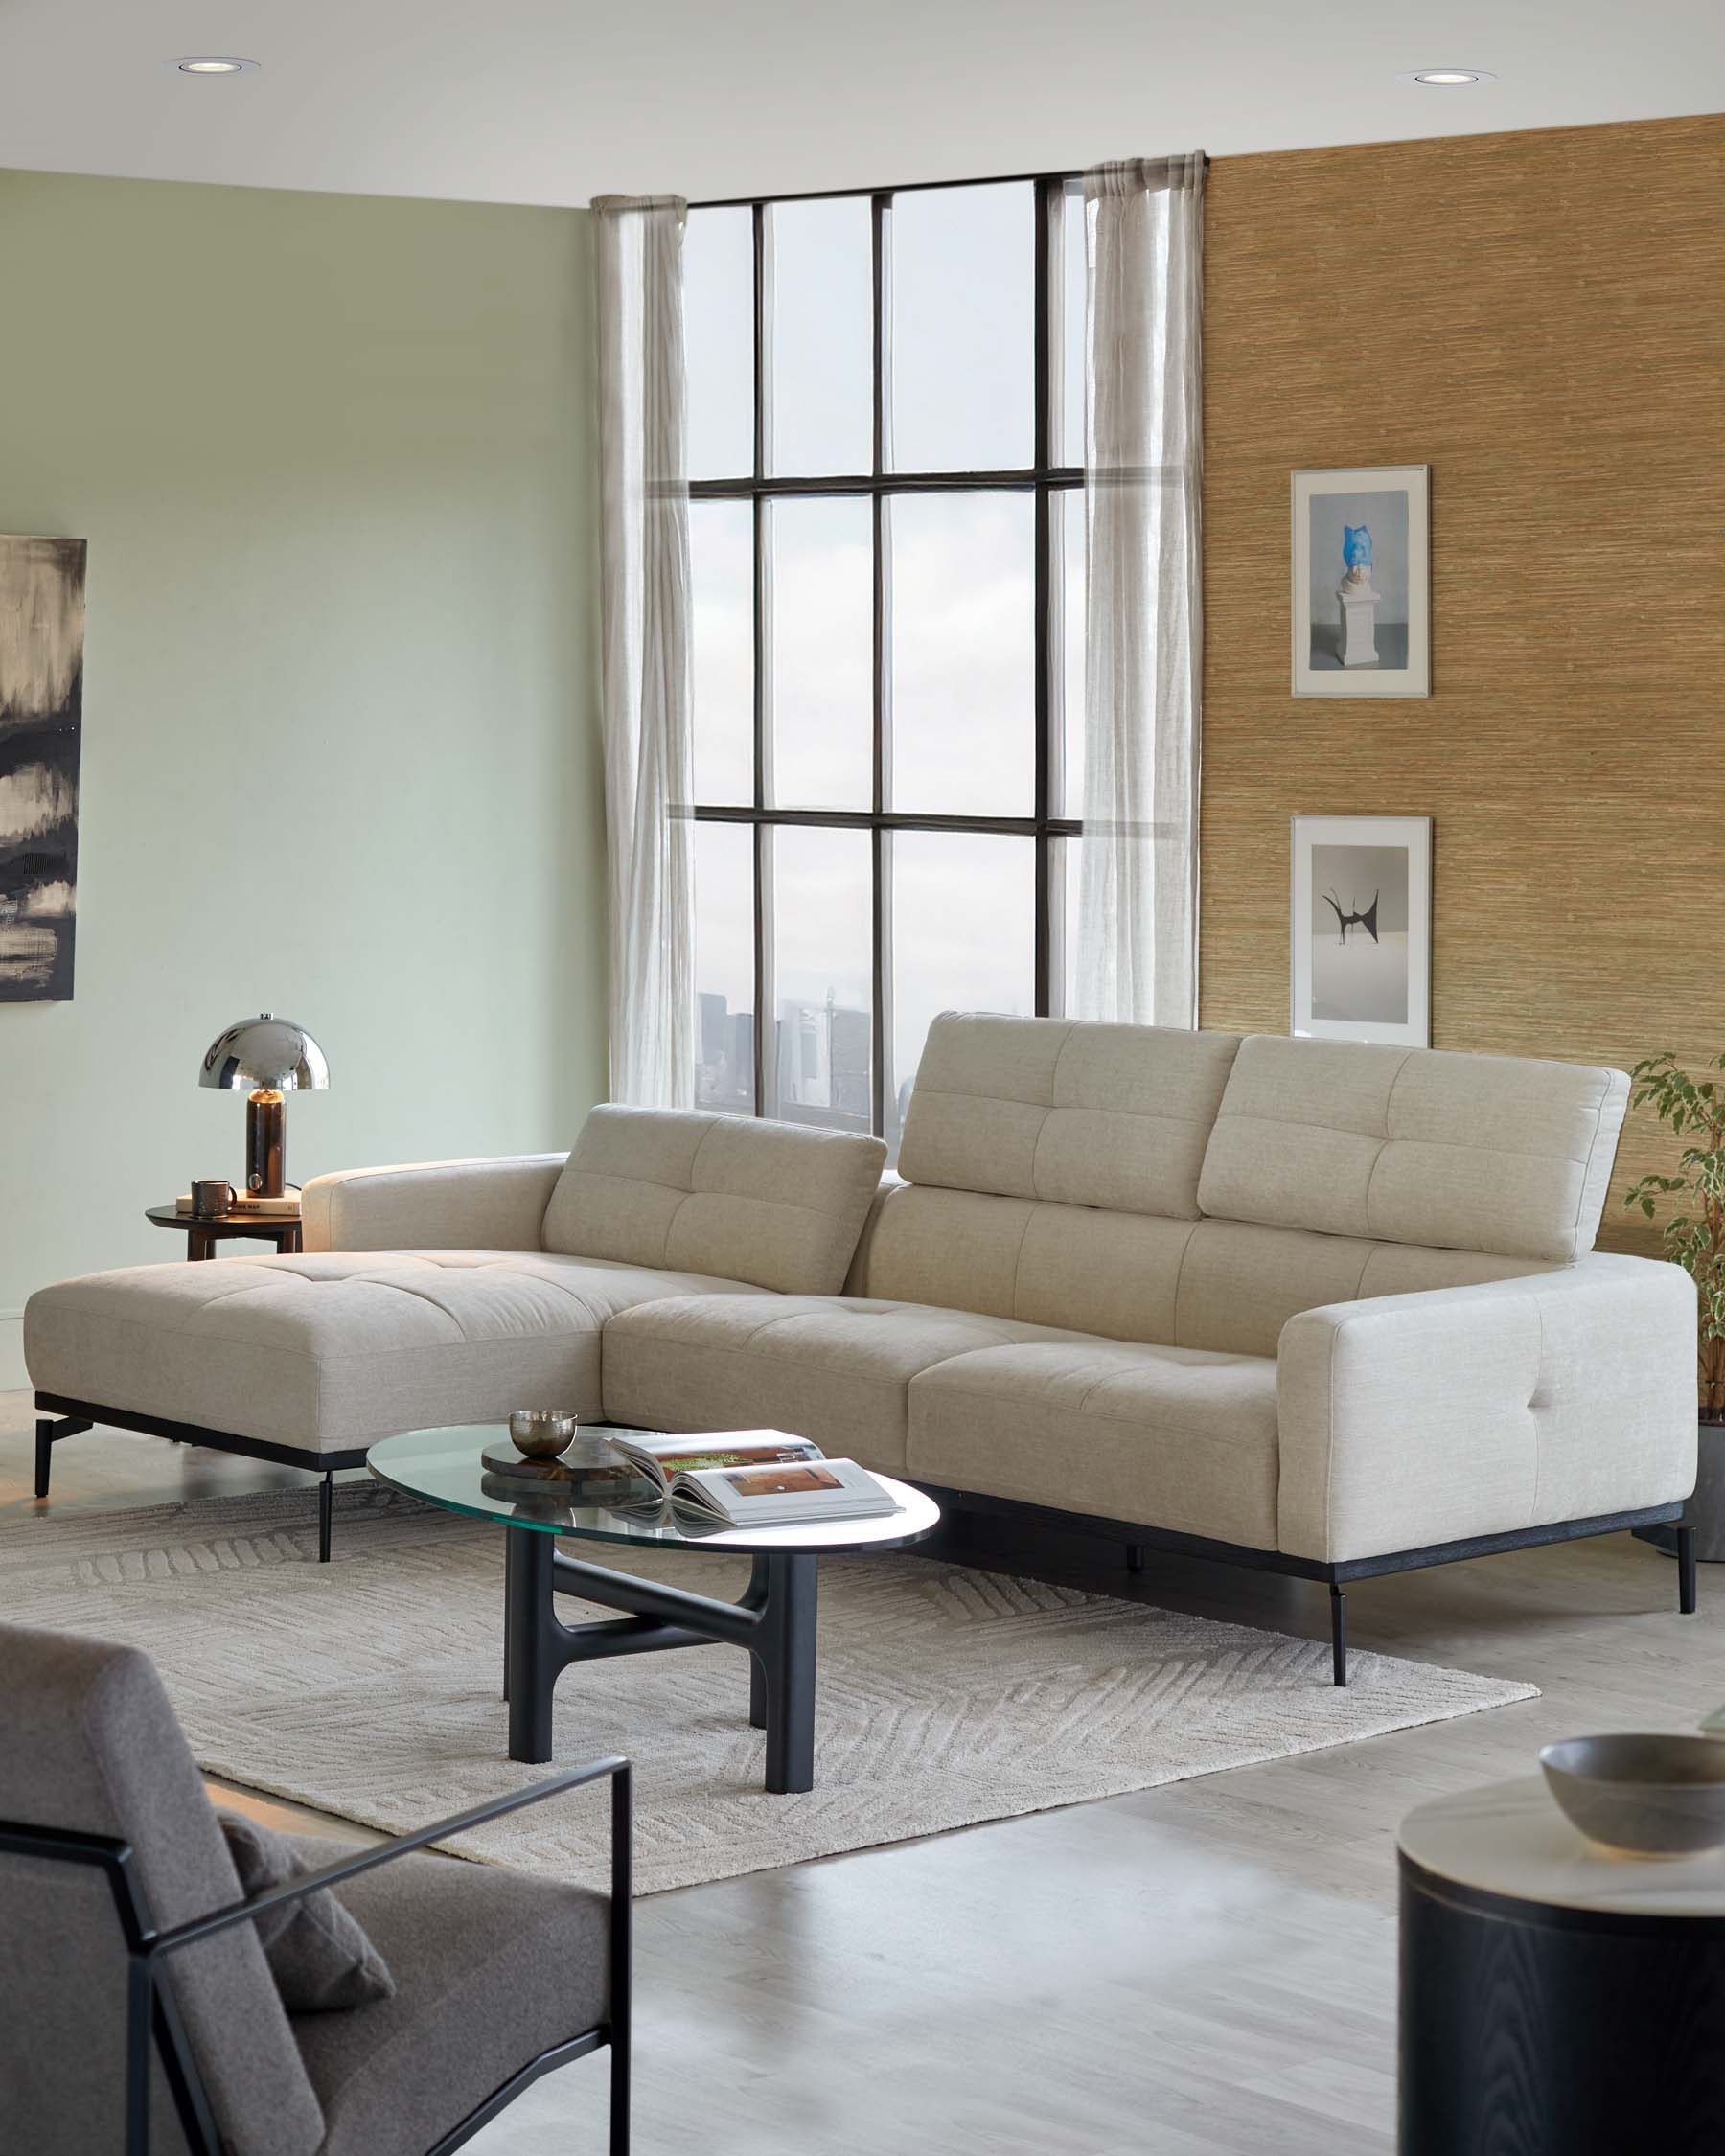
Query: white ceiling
[{"x": 554, "y": 100}]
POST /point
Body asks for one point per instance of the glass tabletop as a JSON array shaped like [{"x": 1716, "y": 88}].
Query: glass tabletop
[{"x": 445, "y": 1468}]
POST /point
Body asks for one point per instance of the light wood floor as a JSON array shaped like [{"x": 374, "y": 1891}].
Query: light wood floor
[{"x": 1204, "y": 1967}]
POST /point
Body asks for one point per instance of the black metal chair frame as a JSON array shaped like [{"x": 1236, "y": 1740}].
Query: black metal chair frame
[{"x": 154, "y": 2027}]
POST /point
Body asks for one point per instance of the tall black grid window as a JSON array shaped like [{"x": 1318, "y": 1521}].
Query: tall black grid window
[{"x": 887, "y": 544}]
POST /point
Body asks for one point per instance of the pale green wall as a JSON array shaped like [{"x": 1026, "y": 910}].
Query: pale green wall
[{"x": 332, "y": 458}]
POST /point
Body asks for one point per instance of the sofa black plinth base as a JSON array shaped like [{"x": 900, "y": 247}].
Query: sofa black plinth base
[
  {"x": 60, "y": 1418},
  {"x": 66, "y": 1418},
  {"x": 774, "y": 1621},
  {"x": 1339, "y": 1576}
]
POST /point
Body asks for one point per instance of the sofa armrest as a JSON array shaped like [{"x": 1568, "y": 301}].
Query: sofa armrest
[
  {"x": 1416, "y": 1419},
  {"x": 432, "y": 1205}
]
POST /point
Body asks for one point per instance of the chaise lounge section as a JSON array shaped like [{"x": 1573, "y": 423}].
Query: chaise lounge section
[
  {"x": 1323, "y": 1308},
  {"x": 446, "y": 1294}
]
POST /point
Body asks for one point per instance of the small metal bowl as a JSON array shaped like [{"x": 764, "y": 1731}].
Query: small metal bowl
[
  {"x": 1641, "y": 1796},
  {"x": 542, "y": 1432}
]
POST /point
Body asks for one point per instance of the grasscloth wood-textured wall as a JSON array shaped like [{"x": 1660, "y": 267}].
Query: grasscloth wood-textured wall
[{"x": 1540, "y": 317}]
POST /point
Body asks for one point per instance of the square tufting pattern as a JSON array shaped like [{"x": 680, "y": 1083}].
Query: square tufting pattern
[
  {"x": 1328, "y": 1298},
  {"x": 1412, "y": 1145},
  {"x": 829, "y": 1367},
  {"x": 778, "y": 1204},
  {"x": 332, "y": 1349},
  {"x": 1114, "y": 1115},
  {"x": 1170, "y": 1435}
]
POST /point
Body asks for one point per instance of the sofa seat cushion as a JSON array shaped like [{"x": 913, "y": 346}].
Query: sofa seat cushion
[
  {"x": 331, "y": 1350},
  {"x": 1173, "y": 1437},
  {"x": 492, "y": 1968},
  {"x": 836, "y": 1371}
]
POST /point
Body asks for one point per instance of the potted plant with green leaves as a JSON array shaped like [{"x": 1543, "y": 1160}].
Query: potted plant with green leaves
[{"x": 1694, "y": 1238}]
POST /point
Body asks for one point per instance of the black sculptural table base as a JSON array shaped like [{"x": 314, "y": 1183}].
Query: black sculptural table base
[{"x": 774, "y": 1621}]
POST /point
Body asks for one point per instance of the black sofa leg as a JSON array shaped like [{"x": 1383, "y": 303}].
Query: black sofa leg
[
  {"x": 1135, "y": 1556},
  {"x": 50, "y": 1430},
  {"x": 1337, "y": 1634},
  {"x": 326, "y": 1505},
  {"x": 620, "y": 2138},
  {"x": 1686, "y": 1571}
]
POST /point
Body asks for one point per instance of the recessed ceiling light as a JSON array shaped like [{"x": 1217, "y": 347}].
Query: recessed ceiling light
[
  {"x": 1446, "y": 77},
  {"x": 211, "y": 63}
]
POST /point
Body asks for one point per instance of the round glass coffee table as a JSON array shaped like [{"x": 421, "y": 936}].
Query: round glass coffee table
[{"x": 774, "y": 1621}]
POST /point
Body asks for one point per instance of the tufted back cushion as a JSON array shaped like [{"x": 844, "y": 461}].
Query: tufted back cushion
[
  {"x": 1199, "y": 1190},
  {"x": 1406, "y": 1145},
  {"x": 778, "y": 1204},
  {"x": 1074, "y": 1113},
  {"x": 1240, "y": 1284},
  {"x": 1092, "y": 1272},
  {"x": 1217, "y": 1284}
]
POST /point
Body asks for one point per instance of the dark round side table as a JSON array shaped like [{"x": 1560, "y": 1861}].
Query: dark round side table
[
  {"x": 1555, "y": 2001},
  {"x": 282, "y": 1230}
]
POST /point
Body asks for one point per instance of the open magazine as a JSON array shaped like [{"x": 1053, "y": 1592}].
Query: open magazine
[
  {"x": 751, "y": 1477},
  {"x": 660, "y": 1459},
  {"x": 797, "y": 1493}
]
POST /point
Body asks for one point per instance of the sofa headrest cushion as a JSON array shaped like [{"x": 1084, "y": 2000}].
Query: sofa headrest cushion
[
  {"x": 774, "y": 1204},
  {"x": 1414, "y": 1145},
  {"x": 1114, "y": 1115}
]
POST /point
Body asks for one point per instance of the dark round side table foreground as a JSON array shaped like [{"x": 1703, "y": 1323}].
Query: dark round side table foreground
[
  {"x": 282, "y": 1230},
  {"x": 1555, "y": 2001}
]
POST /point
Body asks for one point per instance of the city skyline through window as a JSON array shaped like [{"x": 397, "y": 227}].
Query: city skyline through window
[{"x": 887, "y": 627}]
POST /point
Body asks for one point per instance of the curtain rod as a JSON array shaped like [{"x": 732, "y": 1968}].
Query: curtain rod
[{"x": 910, "y": 187}]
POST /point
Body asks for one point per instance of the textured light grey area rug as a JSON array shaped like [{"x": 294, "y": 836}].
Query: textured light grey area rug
[{"x": 371, "y": 1687}]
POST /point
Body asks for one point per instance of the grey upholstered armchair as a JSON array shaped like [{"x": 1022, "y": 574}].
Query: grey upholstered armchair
[{"x": 137, "y": 2011}]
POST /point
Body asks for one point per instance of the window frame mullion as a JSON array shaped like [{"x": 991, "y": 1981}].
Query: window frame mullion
[
  {"x": 760, "y": 852},
  {"x": 1045, "y": 704},
  {"x": 880, "y": 848}
]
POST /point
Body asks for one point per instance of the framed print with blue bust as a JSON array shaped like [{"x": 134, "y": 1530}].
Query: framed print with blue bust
[
  {"x": 1361, "y": 916},
  {"x": 1362, "y": 583}
]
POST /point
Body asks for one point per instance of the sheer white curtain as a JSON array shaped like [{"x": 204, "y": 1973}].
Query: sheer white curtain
[
  {"x": 1137, "y": 914},
  {"x": 646, "y": 691}
]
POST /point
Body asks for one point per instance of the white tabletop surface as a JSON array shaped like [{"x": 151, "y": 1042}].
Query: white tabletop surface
[{"x": 1511, "y": 1839}]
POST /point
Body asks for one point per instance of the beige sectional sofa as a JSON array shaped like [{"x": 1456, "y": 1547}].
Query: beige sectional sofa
[{"x": 1326, "y": 1308}]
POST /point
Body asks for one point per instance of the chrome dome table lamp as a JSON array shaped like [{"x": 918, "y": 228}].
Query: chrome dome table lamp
[{"x": 267, "y": 1057}]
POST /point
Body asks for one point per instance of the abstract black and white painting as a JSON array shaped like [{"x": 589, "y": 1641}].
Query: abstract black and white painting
[
  {"x": 1362, "y": 606},
  {"x": 41, "y": 713},
  {"x": 1361, "y": 929}
]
